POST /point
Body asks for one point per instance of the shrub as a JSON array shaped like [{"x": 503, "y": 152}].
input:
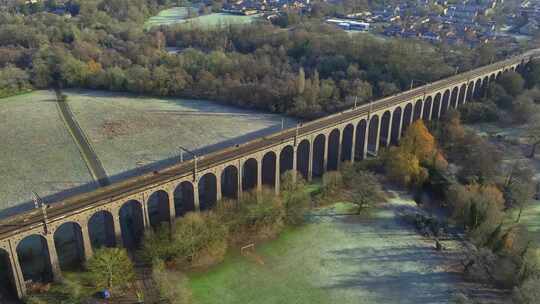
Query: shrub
[
  {"x": 528, "y": 292},
  {"x": 158, "y": 245},
  {"x": 199, "y": 239},
  {"x": 332, "y": 182},
  {"x": 479, "y": 208},
  {"x": 296, "y": 204},
  {"x": 111, "y": 268},
  {"x": 35, "y": 300},
  {"x": 253, "y": 216},
  {"x": 287, "y": 181},
  {"x": 475, "y": 112},
  {"x": 172, "y": 285}
]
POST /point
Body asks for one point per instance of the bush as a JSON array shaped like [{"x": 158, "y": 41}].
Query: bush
[
  {"x": 158, "y": 245},
  {"x": 201, "y": 239},
  {"x": 478, "y": 208},
  {"x": 332, "y": 183},
  {"x": 296, "y": 204},
  {"x": 287, "y": 181},
  {"x": 111, "y": 268},
  {"x": 475, "y": 112},
  {"x": 172, "y": 285},
  {"x": 35, "y": 300},
  {"x": 255, "y": 216},
  {"x": 528, "y": 292},
  {"x": 197, "y": 239}
]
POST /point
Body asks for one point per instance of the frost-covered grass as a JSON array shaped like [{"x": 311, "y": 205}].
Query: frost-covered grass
[
  {"x": 336, "y": 259},
  {"x": 179, "y": 15},
  {"x": 168, "y": 17},
  {"x": 131, "y": 132},
  {"x": 37, "y": 152}
]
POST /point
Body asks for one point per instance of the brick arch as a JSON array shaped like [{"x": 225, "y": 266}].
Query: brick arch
[
  {"x": 333, "y": 149},
  {"x": 318, "y": 162},
  {"x": 101, "y": 229},
  {"x": 7, "y": 277},
  {"x": 407, "y": 117},
  {"x": 303, "y": 155},
  {"x": 385, "y": 126},
  {"x": 132, "y": 223},
  {"x": 69, "y": 245},
  {"x": 286, "y": 159},
  {"x": 268, "y": 169},
  {"x": 229, "y": 182},
  {"x": 158, "y": 208},
  {"x": 373, "y": 134},
  {"x": 250, "y": 171},
  {"x": 207, "y": 187},
  {"x": 184, "y": 198},
  {"x": 33, "y": 253},
  {"x": 347, "y": 142}
]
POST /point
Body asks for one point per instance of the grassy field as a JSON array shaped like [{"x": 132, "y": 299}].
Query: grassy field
[
  {"x": 178, "y": 15},
  {"x": 336, "y": 259},
  {"x": 531, "y": 218},
  {"x": 129, "y": 133},
  {"x": 218, "y": 20},
  {"x": 168, "y": 17},
  {"x": 38, "y": 153}
]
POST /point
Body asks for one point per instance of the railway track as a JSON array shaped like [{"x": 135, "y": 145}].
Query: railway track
[{"x": 82, "y": 202}]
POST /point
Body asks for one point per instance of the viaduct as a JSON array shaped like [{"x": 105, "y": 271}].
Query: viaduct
[{"x": 37, "y": 247}]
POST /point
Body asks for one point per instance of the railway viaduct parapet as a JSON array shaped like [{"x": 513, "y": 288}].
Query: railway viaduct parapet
[{"x": 118, "y": 214}]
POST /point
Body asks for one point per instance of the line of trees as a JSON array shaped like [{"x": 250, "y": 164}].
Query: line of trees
[{"x": 307, "y": 71}]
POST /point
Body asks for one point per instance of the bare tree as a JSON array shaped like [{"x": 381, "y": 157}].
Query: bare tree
[{"x": 533, "y": 134}]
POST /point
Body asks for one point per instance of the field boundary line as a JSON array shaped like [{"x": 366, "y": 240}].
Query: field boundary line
[{"x": 89, "y": 155}]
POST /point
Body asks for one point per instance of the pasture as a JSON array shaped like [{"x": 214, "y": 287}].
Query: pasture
[
  {"x": 338, "y": 259},
  {"x": 130, "y": 135},
  {"x": 218, "y": 20},
  {"x": 38, "y": 153},
  {"x": 133, "y": 134},
  {"x": 180, "y": 15},
  {"x": 169, "y": 16}
]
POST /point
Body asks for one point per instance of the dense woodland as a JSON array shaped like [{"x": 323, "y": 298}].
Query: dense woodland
[{"x": 307, "y": 70}]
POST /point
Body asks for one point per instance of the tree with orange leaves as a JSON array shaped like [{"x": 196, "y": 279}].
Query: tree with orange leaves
[{"x": 406, "y": 164}]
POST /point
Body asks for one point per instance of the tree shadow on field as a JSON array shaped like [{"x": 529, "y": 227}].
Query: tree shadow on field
[
  {"x": 203, "y": 108},
  {"x": 402, "y": 287},
  {"x": 392, "y": 271}
]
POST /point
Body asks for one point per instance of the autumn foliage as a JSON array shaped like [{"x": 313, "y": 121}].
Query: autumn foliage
[{"x": 408, "y": 163}]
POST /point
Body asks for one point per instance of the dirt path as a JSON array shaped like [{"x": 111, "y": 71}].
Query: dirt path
[{"x": 83, "y": 143}]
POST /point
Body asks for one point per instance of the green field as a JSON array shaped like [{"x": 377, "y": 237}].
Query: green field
[
  {"x": 218, "y": 19},
  {"x": 168, "y": 17},
  {"x": 179, "y": 15},
  {"x": 130, "y": 132},
  {"x": 38, "y": 153},
  {"x": 127, "y": 132},
  {"x": 336, "y": 259}
]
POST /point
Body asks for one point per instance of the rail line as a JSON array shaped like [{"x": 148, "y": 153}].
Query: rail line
[{"x": 82, "y": 202}]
